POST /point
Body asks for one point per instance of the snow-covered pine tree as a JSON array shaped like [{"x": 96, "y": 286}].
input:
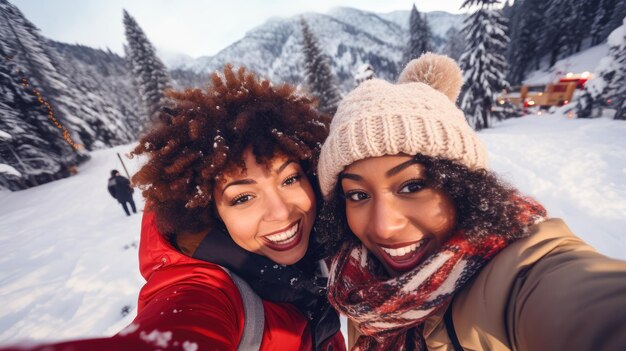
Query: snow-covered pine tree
[
  {"x": 34, "y": 146},
  {"x": 523, "y": 49},
  {"x": 616, "y": 87},
  {"x": 584, "y": 106},
  {"x": 147, "y": 69},
  {"x": 38, "y": 63},
  {"x": 608, "y": 87},
  {"x": 6, "y": 170},
  {"x": 37, "y": 148},
  {"x": 558, "y": 36},
  {"x": 617, "y": 15},
  {"x": 483, "y": 62},
  {"x": 363, "y": 73},
  {"x": 106, "y": 96},
  {"x": 455, "y": 44},
  {"x": 419, "y": 36},
  {"x": 318, "y": 74},
  {"x": 598, "y": 28}
]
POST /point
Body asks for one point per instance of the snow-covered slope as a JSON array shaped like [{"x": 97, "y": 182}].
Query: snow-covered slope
[
  {"x": 68, "y": 252},
  {"x": 575, "y": 167},
  {"x": 69, "y": 256}
]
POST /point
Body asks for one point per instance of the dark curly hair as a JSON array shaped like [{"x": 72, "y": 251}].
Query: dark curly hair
[
  {"x": 201, "y": 134},
  {"x": 483, "y": 203}
]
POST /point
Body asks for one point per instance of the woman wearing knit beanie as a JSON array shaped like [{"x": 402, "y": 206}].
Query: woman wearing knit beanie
[{"x": 434, "y": 251}]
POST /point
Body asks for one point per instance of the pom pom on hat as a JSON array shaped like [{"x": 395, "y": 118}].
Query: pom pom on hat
[{"x": 439, "y": 72}]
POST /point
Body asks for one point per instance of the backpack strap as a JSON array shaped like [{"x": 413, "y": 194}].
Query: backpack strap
[
  {"x": 254, "y": 315},
  {"x": 447, "y": 317}
]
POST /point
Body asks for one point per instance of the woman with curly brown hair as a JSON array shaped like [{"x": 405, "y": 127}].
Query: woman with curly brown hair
[
  {"x": 435, "y": 252},
  {"x": 227, "y": 243}
]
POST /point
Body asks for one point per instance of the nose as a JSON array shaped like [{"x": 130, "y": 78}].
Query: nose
[
  {"x": 386, "y": 219},
  {"x": 276, "y": 207}
]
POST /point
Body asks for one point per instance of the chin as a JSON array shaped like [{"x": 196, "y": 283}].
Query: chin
[{"x": 287, "y": 260}]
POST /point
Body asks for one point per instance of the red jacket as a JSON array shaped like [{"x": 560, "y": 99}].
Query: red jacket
[{"x": 188, "y": 304}]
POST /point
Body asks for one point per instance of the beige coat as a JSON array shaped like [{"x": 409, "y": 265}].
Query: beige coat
[{"x": 549, "y": 291}]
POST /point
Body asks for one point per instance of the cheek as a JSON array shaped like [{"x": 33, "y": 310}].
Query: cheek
[
  {"x": 305, "y": 200},
  {"x": 241, "y": 227},
  {"x": 441, "y": 217},
  {"x": 357, "y": 221}
]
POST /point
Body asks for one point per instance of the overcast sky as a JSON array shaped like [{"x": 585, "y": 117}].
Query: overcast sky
[{"x": 193, "y": 27}]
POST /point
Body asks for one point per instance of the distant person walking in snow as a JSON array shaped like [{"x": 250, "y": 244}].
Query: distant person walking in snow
[{"x": 119, "y": 188}]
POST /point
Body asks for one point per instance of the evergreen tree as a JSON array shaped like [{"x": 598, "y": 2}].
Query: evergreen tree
[
  {"x": 318, "y": 74},
  {"x": 608, "y": 87},
  {"x": 617, "y": 15},
  {"x": 38, "y": 63},
  {"x": 586, "y": 15},
  {"x": 363, "y": 73},
  {"x": 598, "y": 28},
  {"x": 149, "y": 73},
  {"x": 558, "y": 36},
  {"x": 419, "y": 36},
  {"x": 36, "y": 147},
  {"x": 524, "y": 20},
  {"x": 616, "y": 87},
  {"x": 483, "y": 63},
  {"x": 455, "y": 44},
  {"x": 584, "y": 106}
]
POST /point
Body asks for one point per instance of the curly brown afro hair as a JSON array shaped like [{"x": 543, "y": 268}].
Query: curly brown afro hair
[
  {"x": 482, "y": 201},
  {"x": 201, "y": 134}
]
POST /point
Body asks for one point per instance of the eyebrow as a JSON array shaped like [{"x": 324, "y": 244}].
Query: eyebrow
[
  {"x": 393, "y": 171},
  {"x": 397, "y": 169},
  {"x": 247, "y": 181},
  {"x": 284, "y": 165},
  {"x": 349, "y": 176}
]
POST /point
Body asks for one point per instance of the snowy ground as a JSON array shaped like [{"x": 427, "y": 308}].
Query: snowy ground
[{"x": 68, "y": 255}]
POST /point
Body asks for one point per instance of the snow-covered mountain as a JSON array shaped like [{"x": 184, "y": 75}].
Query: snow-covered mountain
[
  {"x": 439, "y": 21},
  {"x": 351, "y": 37},
  {"x": 173, "y": 59}
]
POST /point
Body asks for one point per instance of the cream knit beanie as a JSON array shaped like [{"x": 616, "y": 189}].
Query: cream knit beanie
[{"x": 417, "y": 115}]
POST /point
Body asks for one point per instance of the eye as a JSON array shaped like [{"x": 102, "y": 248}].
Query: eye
[
  {"x": 412, "y": 186},
  {"x": 356, "y": 196},
  {"x": 292, "y": 179},
  {"x": 241, "y": 199}
]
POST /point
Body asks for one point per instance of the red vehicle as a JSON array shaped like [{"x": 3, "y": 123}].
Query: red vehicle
[{"x": 553, "y": 94}]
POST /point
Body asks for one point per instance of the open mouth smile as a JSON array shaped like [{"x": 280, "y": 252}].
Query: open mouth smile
[
  {"x": 284, "y": 239},
  {"x": 406, "y": 256}
]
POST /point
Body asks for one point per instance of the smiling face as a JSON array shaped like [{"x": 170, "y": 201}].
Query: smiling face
[
  {"x": 390, "y": 208},
  {"x": 268, "y": 211}
]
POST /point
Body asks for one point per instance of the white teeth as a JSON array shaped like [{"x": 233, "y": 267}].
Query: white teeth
[
  {"x": 285, "y": 236},
  {"x": 401, "y": 251}
]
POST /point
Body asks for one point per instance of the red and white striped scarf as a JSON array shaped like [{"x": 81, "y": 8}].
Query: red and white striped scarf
[{"x": 390, "y": 312}]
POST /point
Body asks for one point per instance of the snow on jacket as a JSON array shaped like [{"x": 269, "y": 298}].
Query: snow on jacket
[
  {"x": 192, "y": 305},
  {"x": 549, "y": 291}
]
